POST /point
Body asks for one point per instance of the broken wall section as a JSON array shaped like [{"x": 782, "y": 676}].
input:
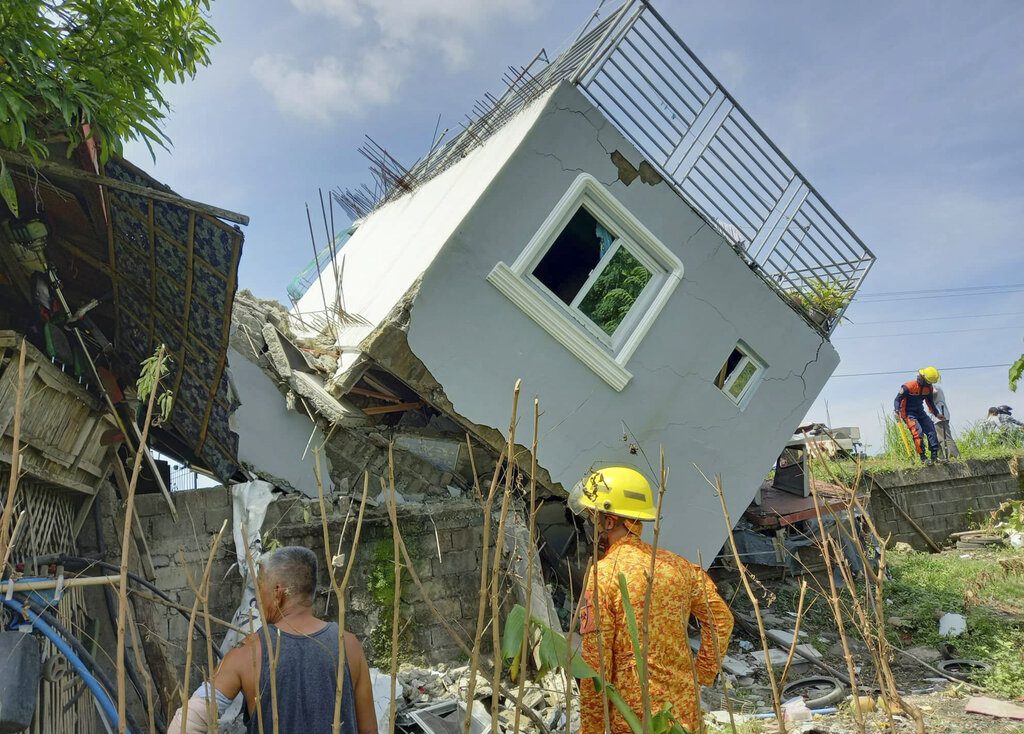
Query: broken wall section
[
  {"x": 444, "y": 541},
  {"x": 290, "y": 409}
]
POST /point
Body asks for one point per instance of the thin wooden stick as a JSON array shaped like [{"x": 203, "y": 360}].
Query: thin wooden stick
[
  {"x": 719, "y": 655},
  {"x": 198, "y": 592},
  {"x": 395, "y": 619},
  {"x": 776, "y": 698},
  {"x": 12, "y": 480},
  {"x": 474, "y": 664},
  {"x": 645, "y": 631},
  {"x": 530, "y": 550},
  {"x": 273, "y": 653},
  {"x": 499, "y": 544},
  {"x": 837, "y": 612},
  {"x": 796, "y": 633},
  {"x": 596, "y": 602},
  {"x": 13, "y": 540},
  {"x": 339, "y": 589},
  {"x": 122, "y": 599},
  {"x": 144, "y": 669}
]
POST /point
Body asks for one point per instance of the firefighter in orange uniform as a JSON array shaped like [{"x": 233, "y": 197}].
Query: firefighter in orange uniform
[{"x": 615, "y": 502}]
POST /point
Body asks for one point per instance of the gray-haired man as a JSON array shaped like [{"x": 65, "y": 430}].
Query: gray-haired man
[{"x": 306, "y": 654}]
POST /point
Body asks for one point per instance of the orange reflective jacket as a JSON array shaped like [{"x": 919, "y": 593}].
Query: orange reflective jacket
[{"x": 681, "y": 589}]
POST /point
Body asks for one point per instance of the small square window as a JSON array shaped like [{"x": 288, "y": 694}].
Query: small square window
[
  {"x": 593, "y": 277},
  {"x": 740, "y": 374}
]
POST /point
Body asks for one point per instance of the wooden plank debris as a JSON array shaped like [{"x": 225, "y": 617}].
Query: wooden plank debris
[{"x": 993, "y": 707}]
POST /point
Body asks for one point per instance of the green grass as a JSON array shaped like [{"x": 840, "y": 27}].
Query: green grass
[
  {"x": 924, "y": 586},
  {"x": 974, "y": 443}
]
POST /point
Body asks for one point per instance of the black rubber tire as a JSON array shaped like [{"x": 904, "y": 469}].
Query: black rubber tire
[
  {"x": 955, "y": 668},
  {"x": 834, "y": 696}
]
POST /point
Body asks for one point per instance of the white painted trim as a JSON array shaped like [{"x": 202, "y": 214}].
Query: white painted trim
[
  {"x": 606, "y": 357},
  {"x": 749, "y": 356},
  {"x": 560, "y": 326}
]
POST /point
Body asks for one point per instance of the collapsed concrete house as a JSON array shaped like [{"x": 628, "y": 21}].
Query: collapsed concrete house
[{"x": 615, "y": 231}]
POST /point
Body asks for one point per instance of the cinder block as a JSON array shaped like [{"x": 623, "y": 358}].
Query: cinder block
[{"x": 457, "y": 562}]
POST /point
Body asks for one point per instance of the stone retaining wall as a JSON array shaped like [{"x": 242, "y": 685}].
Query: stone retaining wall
[
  {"x": 443, "y": 539},
  {"x": 942, "y": 499}
]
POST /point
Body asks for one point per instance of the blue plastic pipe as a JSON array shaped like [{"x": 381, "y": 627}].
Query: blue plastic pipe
[{"x": 106, "y": 705}]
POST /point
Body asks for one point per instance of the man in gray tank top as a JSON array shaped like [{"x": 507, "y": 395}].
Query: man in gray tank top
[{"x": 305, "y": 651}]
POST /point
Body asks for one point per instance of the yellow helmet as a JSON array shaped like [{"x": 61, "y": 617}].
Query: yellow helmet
[
  {"x": 930, "y": 374},
  {"x": 615, "y": 490}
]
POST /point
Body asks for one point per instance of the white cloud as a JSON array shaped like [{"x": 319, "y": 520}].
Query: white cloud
[
  {"x": 329, "y": 87},
  {"x": 394, "y": 36}
]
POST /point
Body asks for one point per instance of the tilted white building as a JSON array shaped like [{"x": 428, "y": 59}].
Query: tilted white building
[{"x": 618, "y": 234}]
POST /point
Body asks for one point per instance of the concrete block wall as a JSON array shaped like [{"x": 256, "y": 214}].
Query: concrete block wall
[
  {"x": 942, "y": 499},
  {"x": 443, "y": 539}
]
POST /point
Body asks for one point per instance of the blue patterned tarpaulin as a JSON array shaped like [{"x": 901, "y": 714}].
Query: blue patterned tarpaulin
[{"x": 175, "y": 281}]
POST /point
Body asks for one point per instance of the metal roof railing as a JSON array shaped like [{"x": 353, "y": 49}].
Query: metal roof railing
[{"x": 644, "y": 78}]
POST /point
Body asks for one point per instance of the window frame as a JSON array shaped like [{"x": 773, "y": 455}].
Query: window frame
[
  {"x": 749, "y": 357},
  {"x": 607, "y": 355}
]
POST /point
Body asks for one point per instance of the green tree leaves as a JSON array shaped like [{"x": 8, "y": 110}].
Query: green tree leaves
[{"x": 74, "y": 69}]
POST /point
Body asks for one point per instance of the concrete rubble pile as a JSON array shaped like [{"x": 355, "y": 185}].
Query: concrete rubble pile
[{"x": 432, "y": 701}]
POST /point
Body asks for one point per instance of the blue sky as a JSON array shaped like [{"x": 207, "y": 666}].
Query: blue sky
[{"x": 907, "y": 117}]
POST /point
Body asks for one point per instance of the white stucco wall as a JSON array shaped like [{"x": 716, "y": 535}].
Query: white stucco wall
[
  {"x": 396, "y": 243},
  {"x": 477, "y": 343},
  {"x": 271, "y": 437}
]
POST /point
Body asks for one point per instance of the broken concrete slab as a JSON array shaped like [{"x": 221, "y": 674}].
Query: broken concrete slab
[
  {"x": 786, "y": 638},
  {"x": 275, "y": 351},
  {"x": 777, "y": 656},
  {"x": 340, "y": 412},
  {"x": 737, "y": 667}
]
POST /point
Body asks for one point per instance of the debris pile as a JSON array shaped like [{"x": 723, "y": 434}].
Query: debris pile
[{"x": 433, "y": 701}]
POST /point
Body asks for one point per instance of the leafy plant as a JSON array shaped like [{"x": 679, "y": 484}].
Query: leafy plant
[
  {"x": 154, "y": 369},
  {"x": 1016, "y": 373},
  {"x": 615, "y": 291},
  {"x": 823, "y": 296},
  {"x": 75, "y": 69}
]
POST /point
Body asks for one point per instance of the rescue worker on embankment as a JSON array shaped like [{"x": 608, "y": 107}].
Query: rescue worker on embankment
[
  {"x": 615, "y": 502},
  {"x": 910, "y": 408}
]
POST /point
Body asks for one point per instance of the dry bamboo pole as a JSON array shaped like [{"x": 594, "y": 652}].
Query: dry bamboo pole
[
  {"x": 141, "y": 666},
  {"x": 531, "y": 549},
  {"x": 122, "y": 598},
  {"x": 776, "y": 698},
  {"x": 569, "y": 652},
  {"x": 182, "y": 608},
  {"x": 876, "y": 600},
  {"x": 499, "y": 545},
  {"x": 596, "y": 605},
  {"x": 645, "y": 629},
  {"x": 796, "y": 633},
  {"x": 395, "y": 614},
  {"x": 719, "y": 655},
  {"x": 472, "y": 466},
  {"x": 272, "y": 652},
  {"x": 211, "y": 665},
  {"x": 863, "y": 624},
  {"x": 12, "y": 480},
  {"x": 837, "y": 612},
  {"x": 457, "y": 637},
  {"x": 199, "y": 591},
  {"x": 474, "y": 663},
  {"x": 68, "y": 583},
  {"x": 339, "y": 589},
  {"x": 13, "y": 539}
]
